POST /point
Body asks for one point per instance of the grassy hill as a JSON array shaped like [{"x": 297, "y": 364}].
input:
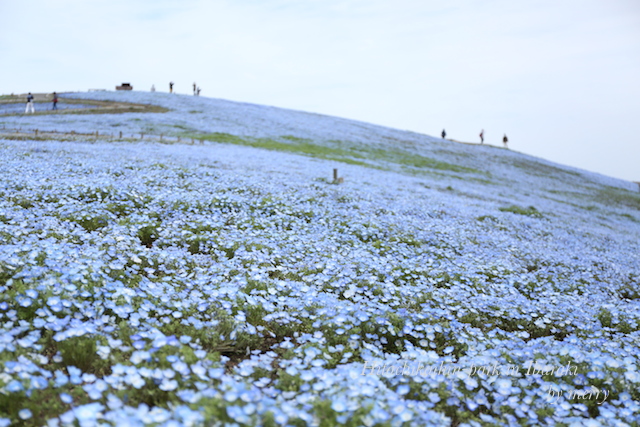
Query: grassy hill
[{"x": 234, "y": 282}]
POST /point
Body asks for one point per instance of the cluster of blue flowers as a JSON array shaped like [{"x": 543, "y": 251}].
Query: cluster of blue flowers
[{"x": 149, "y": 284}]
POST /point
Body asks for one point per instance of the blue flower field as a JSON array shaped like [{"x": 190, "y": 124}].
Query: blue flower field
[{"x": 233, "y": 282}]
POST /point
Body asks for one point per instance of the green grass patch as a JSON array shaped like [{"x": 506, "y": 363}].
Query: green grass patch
[
  {"x": 612, "y": 196},
  {"x": 417, "y": 161},
  {"x": 340, "y": 151},
  {"x": 296, "y": 139},
  {"x": 528, "y": 211},
  {"x": 536, "y": 168},
  {"x": 630, "y": 217},
  {"x": 296, "y": 146}
]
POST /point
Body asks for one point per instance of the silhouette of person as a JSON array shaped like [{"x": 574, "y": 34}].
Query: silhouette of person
[
  {"x": 482, "y": 136},
  {"x": 55, "y": 101},
  {"x": 505, "y": 140},
  {"x": 444, "y": 134},
  {"x": 170, "y": 87},
  {"x": 198, "y": 92},
  {"x": 195, "y": 88},
  {"x": 30, "y": 104}
]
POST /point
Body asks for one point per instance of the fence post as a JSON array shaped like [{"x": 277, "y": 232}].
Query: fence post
[{"x": 337, "y": 180}]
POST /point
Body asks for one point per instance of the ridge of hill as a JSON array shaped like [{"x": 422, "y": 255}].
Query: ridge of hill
[{"x": 337, "y": 139}]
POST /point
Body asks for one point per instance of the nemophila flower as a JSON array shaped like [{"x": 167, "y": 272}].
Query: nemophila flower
[
  {"x": 338, "y": 406},
  {"x": 134, "y": 379},
  {"x": 503, "y": 386},
  {"x": 24, "y": 302},
  {"x": 113, "y": 402},
  {"x": 25, "y": 414},
  {"x": 238, "y": 414},
  {"x": 14, "y": 386},
  {"x": 54, "y": 303},
  {"x": 230, "y": 396},
  {"x": 88, "y": 378},
  {"x": 403, "y": 389},
  {"x": 216, "y": 373},
  {"x": 38, "y": 382},
  {"x": 84, "y": 414},
  {"x": 200, "y": 371},
  {"x": 434, "y": 397},
  {"x": 181, "y": 368},
  {"x": 95, "y": 390},
  {"x": 168, "y": 385},
  {"x": 103, "y": 351},
  {"x": 632, "y": 376},
  {"x": 74, "y": 374},
  {"x": 138, "y": 357},
  {"x": 188, "y": 396}
]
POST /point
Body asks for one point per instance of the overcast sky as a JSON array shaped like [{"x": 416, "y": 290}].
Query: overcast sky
[{"x": 560, "y": 77}]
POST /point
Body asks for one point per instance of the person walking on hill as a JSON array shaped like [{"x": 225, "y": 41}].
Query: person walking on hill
[
  {"x": 505, "y": 140},
  {"x": 29, "y": 104},
  {"x": 55, "y": 101},
  {"x": 444, "y": 134},
  {"x": 170, "y": 87},
  {"x": 198, "y": 92},
  {"x": 195, "y": 88},
  {"x": 482, "y": 136}
]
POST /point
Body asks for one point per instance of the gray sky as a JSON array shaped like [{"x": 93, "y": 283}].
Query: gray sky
[{"x": 560, "y": 77}]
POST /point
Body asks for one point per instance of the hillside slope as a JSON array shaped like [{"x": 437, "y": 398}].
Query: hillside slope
[{"x": 233, "y": 281}]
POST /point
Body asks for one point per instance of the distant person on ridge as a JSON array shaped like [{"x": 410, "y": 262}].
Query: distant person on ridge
[
  {"x": 505, "y": 140},
  {"x": 198, "y": 92},
  {"x": 170, "y": 87},
  {"x": 482, "y": 136},
  {"x": 195, "y": 92},
  {"x": 55, "y": 101},
  {"x": 444, "y": 134},
  {"x": 29, "y": 104}
]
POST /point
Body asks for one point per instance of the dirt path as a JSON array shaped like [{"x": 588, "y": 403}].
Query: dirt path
[{"x": 97, "y": 107}]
